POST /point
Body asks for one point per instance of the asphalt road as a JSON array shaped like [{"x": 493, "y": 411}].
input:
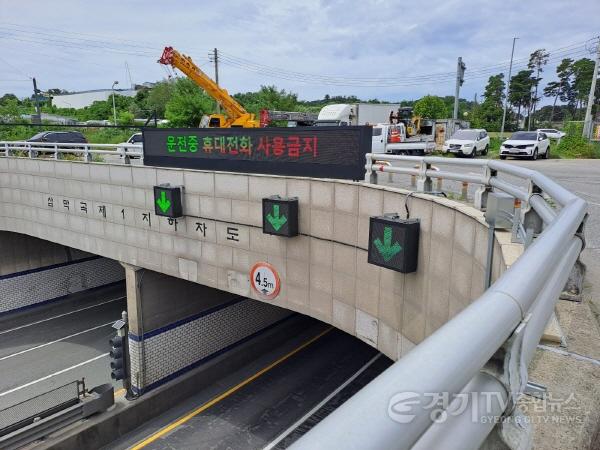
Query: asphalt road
[
  {"x": 274, "y": 407},
  {"x": 50, "y": 346}
]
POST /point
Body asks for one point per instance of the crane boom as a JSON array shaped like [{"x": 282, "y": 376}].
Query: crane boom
[{"x": 237, "y": 115}]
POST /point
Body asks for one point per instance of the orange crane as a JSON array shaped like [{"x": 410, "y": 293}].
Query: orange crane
[{"x": 236, "y": 116}]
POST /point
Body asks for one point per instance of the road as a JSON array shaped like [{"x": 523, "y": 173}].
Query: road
[
  {"x": 52, "y": 345},
  {"x": 580, "y": 176},
  {"x": 271, "y": 404}
]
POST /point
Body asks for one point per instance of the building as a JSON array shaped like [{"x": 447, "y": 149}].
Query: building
[{"x": 82, "y": 99}]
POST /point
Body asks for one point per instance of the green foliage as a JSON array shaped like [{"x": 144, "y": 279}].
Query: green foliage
[
  {"x": 9, "y": 109},
  {"x": 125, "y": 118},
  {"x": 488, "y": 115},
  {"x": 158, "y": 97},
  {"x": 269, "y": 97},
  {"x": 187, "y": 105},
  {"x": 431, "y": 107},
  {"x": 574, "y": 145}
]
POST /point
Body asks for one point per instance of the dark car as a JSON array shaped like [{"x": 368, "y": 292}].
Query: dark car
[
  {"x": 57, "y": 137},
  {"x": 61, "y": 137}
]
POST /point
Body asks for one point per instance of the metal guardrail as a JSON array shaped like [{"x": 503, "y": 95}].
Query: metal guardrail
[
  {"x": 481, "y": 354},
  {"x": 20, "y": 414},
  {"x": 85, "y": 152},
  {"x": 43, "y": 414}
]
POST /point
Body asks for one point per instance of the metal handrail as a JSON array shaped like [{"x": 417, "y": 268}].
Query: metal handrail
[
  {"x": 484, "y": 348},
  {"x": 34, "y": 149}
]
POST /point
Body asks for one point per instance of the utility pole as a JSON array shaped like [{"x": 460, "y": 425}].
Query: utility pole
[
  {"x": 512, "y": 53},
  {"x": 38, "y": 110},
  {"x": 587, "y": 124},
  {"x": 216, "y": 59},
  {"x": 460, "y": 79}
]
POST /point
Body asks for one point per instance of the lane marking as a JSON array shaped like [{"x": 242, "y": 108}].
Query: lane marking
[
  {"x": 305, "y": 417},
  {"x": 37, "y": 347},
  {"x": 18, "y": 388},
  {"x": 588, "y": 195},
  {"x": 61, "y": 315},
  {"x": 153, "y": 437},
  {"x": 571, "y": 354}
]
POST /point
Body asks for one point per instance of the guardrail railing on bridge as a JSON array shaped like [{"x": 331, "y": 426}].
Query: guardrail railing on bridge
[
  {"x": 481, "y": 355},
  {"x": 84, "y": 152}
]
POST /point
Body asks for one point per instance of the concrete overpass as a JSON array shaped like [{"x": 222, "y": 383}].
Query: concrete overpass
[{"x": 179, "y": 273}]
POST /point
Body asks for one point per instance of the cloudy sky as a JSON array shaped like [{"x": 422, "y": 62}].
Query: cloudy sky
[{"x": 371, "y": 48}]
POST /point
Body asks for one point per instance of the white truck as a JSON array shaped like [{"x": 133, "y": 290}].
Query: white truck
[
  {"x": 391, "y": 139},
  {"x": 356, "y": 114}
]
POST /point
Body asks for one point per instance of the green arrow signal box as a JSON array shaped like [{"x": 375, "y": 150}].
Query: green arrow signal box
[
  {"x": 167, "y": 201},
  {"x": 280, "y": 216},
  {"x": 394, "y": 243}
]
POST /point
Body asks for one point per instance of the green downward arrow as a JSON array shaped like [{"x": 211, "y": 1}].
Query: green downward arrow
[
  {"x": 275, "y": 219},
  {"x": 163, "y": 202},
  {"x": 386, "y": 248}
]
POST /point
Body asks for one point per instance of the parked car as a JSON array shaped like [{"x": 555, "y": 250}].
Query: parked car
[
  {"x": 468, "y": 142},
  {"x": 59, "y": 137},
  {"x": 56, "y": 137},
  {"x": 552, "y": 133},
  {"x": 529, "y": 144},
  {"x": 136, "y": 138}
]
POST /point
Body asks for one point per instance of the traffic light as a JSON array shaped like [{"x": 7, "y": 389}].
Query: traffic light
[
  {"x": 280, "y": 216},
  {"x": 117, "y": 356},
  {"x": 167, "y": 201},
  {"x": 394, "y": 243}
]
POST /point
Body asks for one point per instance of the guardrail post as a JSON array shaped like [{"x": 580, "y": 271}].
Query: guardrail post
[
  {"x": 370, "y": 176},
  {"x": 481, "y": 193},
  {"x": 424, "y": 183},
  {"x": 55, "y": 151},
  {"x": 6, "y": 151},
  {"x": 87, "y": 156},
  {"x": 532, "y": 222}
]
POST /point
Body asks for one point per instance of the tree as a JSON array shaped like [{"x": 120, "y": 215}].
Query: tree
[
  {"x": 268, "y": 97},
  {"x": 519, "y": 93},
  {"x": 431, "y": 107},
  {"x": 583, "y": 71},
  {"x": 159, "y": 96},
  {"x": 6, "y": 97},
  {"x": 188, "y": 103},
  {"x": 553, "y": 89},
  {"x": 488, "y": 115},
  {"x": 537, "y": 60}
]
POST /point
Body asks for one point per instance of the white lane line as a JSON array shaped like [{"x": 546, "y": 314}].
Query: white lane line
[
  {"x": 585, "y": 194},
  {"x": 18, "y": 388},
  {"x": 571, "y": 354},
  {"x": 303, "y": 419},
  {"x": 37, "y": 347},
  {"x": 61, "y": 315}
]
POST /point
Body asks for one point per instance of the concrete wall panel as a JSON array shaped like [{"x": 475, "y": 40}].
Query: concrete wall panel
[{"x": 324, "y": 271}]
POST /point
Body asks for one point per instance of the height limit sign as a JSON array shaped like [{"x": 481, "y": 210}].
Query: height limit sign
[
  {"x": 394, "y": 243},
  {"x": 167, "y": 201},
  {"x": 280, "y": 216}
]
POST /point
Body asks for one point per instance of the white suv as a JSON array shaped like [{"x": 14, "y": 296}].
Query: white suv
[
  {"x": 468, "y": 143},
  {"x": 530, "y": 144}
]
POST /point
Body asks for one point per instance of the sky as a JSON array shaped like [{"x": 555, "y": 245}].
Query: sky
[{"x": 390, "y": 50}]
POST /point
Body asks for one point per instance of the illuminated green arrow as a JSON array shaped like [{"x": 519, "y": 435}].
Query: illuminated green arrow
[
  {"x": 163, "y": 202},
  {"x": 275, "y": 219},
  {"x": 386, "y": 248}
]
